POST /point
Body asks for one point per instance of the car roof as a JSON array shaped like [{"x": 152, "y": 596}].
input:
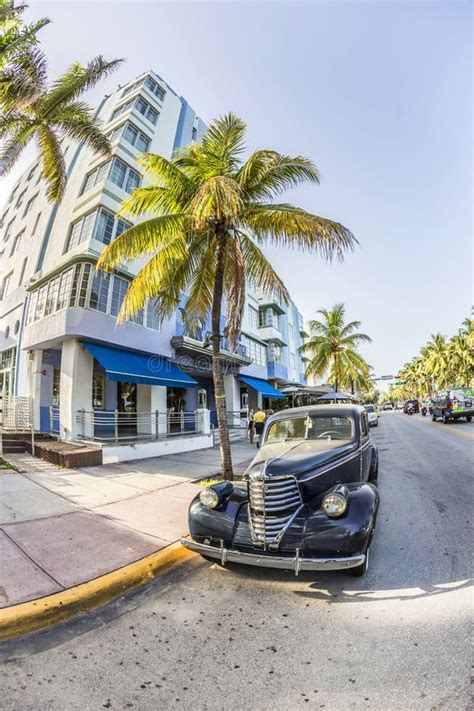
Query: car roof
[{"x": 341, "y": 410}]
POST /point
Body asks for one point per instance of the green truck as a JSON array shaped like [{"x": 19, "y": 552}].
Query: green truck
[{"x": 452, "y": 404}]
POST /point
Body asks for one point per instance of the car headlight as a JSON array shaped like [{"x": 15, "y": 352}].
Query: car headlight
[
  {"x": 209, "y": 498},
  {"x": 334, "y": 505}
]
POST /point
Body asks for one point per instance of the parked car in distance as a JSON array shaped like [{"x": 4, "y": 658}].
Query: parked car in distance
[
  {"x": 453, "y": 404},
  {"x": 413, "y": 403},
  {"x": 309, "y": 499},
  {"x": 387, "y": 406},
  {"x": 372, "y": 415}
]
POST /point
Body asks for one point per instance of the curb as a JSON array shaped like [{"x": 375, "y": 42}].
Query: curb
[{"x": 35, "y": 615}]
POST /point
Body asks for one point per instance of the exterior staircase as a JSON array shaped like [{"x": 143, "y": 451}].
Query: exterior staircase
[{"x": 235, "y": 435}]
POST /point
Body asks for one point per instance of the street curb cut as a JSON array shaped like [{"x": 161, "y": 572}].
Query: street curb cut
[{"x": 28, "y": 617}]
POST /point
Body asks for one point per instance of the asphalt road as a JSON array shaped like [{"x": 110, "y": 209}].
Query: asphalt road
[{"x": 207, "y": 638}]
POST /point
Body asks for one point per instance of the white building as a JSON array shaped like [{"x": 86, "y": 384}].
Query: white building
[{"x": 59, "y": 341}]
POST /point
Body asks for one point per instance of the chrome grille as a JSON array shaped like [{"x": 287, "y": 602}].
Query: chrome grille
[{"x": 273, "y": 503}]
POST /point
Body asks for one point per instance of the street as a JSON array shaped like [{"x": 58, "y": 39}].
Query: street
[{"x": 207, "y": 638}]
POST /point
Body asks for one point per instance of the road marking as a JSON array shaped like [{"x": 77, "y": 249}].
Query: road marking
[{"x": 467, "y": 435}]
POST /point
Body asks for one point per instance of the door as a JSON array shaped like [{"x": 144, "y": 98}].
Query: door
[{"x": 127, "y": 408}]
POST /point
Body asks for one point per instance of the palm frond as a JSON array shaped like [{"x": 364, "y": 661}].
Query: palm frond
[
  {"x": 144, "y": 239},
  {"x": 286, "y": 225},
  {"x": 53, "y": 164},
  {"x": 217, "y": 199},
  {"x": 267, "y": 174},
  {"x": 78, "y": 122},
  {"x": 260, "y": 271}
]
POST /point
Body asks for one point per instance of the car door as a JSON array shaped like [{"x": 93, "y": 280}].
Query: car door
[{"x": 366, "y": 447}]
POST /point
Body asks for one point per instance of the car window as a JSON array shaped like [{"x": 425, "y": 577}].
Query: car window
[
  {"x": 364, "y": 423},
  {"x": 311, "y": 427},
  {"x": 369, "y": 408}
]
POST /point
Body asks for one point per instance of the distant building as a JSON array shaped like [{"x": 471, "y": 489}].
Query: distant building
[{"x": 57, "y": 313}]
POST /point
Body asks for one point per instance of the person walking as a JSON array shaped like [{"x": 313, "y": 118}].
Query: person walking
[
  {"x": 251, "y": 427},
  {"x": 259, "y": 419}
]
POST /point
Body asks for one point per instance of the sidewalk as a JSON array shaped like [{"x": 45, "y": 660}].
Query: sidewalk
[{"x": 60, "y": 528}]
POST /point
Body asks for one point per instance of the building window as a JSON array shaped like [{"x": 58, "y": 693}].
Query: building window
[
  {"x": 194, "y": 134},
  {"x": 123, "y": 175},
  {"x": 21, "y": 196},
  {"x": 75, "y": 285},
  {"x": 64, "y": 289},
  {"x": 84, "y": 285},
  {"x": 13, "y": 193},
  {"x": 155, "y": 89},
  {"x": 152, "y": 320},
  {"x": 56, "y": 387},
  {"x": 107, "y": 226},
  {"x": 36, "y": 223},
  {"x": 98, "y": 382},
  {"x": 8, "y": 230},
  {"x": 253, "y": 318},
  {"x": 29, "y": 205},
  {"x": 7, "y": 371},
  {"x": 121, "y": 110},
  {"x": 16, "y": 243},
  {"x": 136, "y": 138},
  {"x": 146, "y": 110},
  {"x": 274, "y": 353},
  {"x": 81, "y": 230},
  {"x": 52, "y": 296},
  {"x": 22, "y": 273},
  {"x": 41, "y": 301},
  {"x": 119, "y": 290},
  {"x": 16, "y": 327},
  {"x": 99, "y": 292},
  {"x": 95, "y": 177},
  {"x": 6, "y": 284},
  {"x": 267, "y": 317}
]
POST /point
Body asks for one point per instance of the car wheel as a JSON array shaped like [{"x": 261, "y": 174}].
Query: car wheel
[
  {"x": 446, "y": 419},
  {"x": 373, "y": 474},
  {"x": 433, "y": 417},
  {"x": 468, "y": 418},
  {"x": 361, "y": 569}
]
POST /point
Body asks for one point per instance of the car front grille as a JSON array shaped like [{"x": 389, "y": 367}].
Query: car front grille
[{"x": 273, "y": 504}]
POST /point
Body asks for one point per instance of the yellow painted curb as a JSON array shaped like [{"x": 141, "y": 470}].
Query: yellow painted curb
[{"x": 48, "y": 611}]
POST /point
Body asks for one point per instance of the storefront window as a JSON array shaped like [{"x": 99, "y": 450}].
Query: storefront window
[
  {"x": 98, "y": 391},
  {"x": 56, "y": 387}
]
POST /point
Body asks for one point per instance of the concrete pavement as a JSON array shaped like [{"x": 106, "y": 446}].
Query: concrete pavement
[
  {"x": 239, "y": 638},
  {"x": 60, "y": 528}
]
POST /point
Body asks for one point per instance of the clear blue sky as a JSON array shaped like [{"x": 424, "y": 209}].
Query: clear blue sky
[{"x": 378, "y": 94}]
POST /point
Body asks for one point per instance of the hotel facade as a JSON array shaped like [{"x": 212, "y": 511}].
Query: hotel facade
[{"x": 60, "y": 344}]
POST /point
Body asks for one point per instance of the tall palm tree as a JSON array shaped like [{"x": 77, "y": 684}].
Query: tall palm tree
[
  {"x": 208, "y": 212},
  {"x": 332, "y": 346},
  {"x": 33, "y": 109},
  {"x": 15, "y": 37},
  {"x": 436, "y": 357}
]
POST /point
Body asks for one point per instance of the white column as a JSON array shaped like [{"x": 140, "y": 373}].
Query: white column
[
  {"x": 232, "y": 398},
  {"x": 35, "y": 364},
  {"x": 76, "y": 389},
  {"x": 158, "y": 403},
  {"x": 203, "y": 421}
]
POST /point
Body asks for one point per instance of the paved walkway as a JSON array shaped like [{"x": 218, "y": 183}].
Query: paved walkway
[{"x": 62, "y": 527}]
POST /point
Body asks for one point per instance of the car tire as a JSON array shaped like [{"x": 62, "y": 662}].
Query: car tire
[
  {"x": 433, "y": 417},
  {"x": 360, "y": 570},
  {"x": 468, "y": 418},
  {"x": 374, "y": 475},
  {"x": 446, "y": 419}
]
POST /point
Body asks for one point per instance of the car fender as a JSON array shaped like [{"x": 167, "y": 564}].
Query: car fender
[
  {"x": 219, "y": 522},
  {"x": 350, "y": 533}
]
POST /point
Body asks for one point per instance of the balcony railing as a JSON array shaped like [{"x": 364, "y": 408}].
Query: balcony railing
[{"x": 108, "y": 426}]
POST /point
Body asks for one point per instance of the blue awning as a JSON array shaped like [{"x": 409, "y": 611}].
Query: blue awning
[
  {"x": 129, "y": 367},
  {"x": 262, "y": 386}
]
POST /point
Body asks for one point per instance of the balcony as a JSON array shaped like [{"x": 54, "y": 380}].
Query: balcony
[
  {"x": 271, "y": 334},
  {"x": 270, "y": 301},
  {"x": 185, "y": 345}
]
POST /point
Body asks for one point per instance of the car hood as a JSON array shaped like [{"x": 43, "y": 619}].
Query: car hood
[{"x": 296, "y": 458}]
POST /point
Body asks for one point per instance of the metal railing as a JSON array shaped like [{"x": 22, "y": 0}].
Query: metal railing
[
  {"x": 115, "y": 426},
  {"x": 16, "y": 415},
  {"x": 237, "y": 419}
]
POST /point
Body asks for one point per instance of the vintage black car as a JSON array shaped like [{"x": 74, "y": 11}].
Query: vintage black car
[{"x": 309, "y": 499}]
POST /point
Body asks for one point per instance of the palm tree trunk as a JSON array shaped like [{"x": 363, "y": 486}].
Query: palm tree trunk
[{"x": 219, "y": 392}]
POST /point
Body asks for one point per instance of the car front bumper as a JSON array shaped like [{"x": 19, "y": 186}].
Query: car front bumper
[{"x": 295, "y": 563}]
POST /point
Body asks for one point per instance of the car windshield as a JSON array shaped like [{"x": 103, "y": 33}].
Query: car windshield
[
  {"x": 462, "y": 393},
  {"x": 312, "y": 427},
  {"x": 369, "y": 408}
]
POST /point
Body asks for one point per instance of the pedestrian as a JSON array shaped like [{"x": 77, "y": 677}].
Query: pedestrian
[
  {"x": 259, "y": 419},
  {"x": 270, "y": 412},
  {"x": 251, "y": 427}
]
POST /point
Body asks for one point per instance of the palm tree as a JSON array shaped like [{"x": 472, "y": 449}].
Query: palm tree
[
  {"x": 16, "y": 38},
  {"x": 332, "y": 346},
  {"x": 31, "y": 109},
  {"x": 208, "y": 212},
  {"x": 436, "y": 357}
]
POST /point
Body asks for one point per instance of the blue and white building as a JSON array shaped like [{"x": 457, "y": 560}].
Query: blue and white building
[{"x": 59, "y": 341}]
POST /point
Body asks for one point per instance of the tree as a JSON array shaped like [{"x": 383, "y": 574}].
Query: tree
[
  {"x": 332, "y": 346},
  {"x": 33, "y": 110},
  {"x": 16, "y": 38},
  {"x": 208, "y": 212}
]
